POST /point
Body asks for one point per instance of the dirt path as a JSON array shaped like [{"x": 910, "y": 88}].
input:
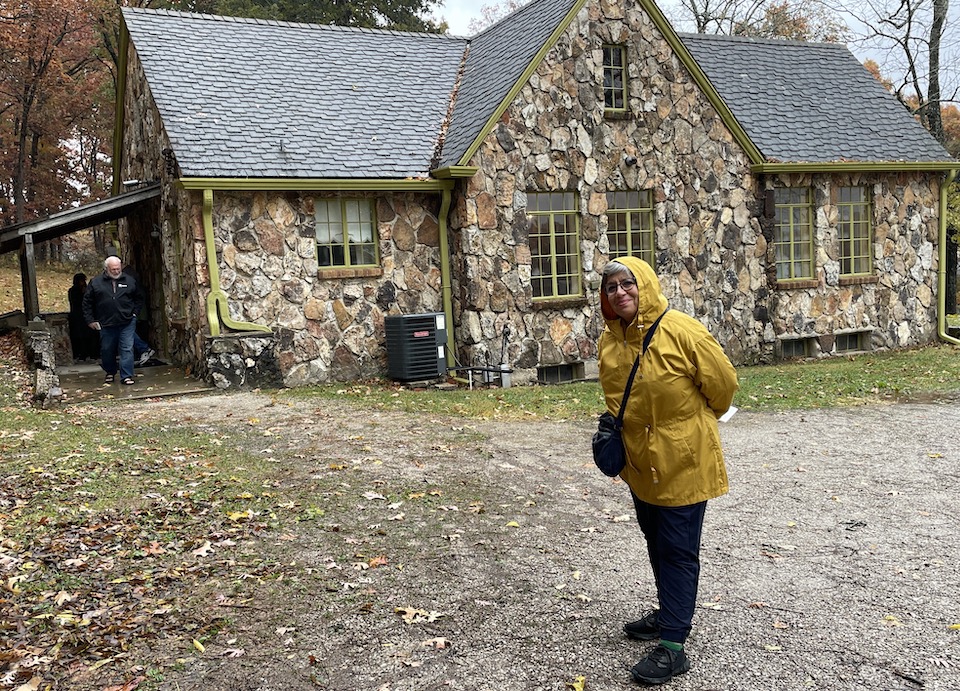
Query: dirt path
[{"x": 457, "y": 554}]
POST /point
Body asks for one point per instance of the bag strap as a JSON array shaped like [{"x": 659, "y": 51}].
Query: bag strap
[{"x": 636, "y": 364}]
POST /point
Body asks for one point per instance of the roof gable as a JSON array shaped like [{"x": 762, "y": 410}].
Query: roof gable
[
  {"x": 497, "y": 60},
  {"x": 810, "y": 102},
  {"x": 254, "y": 98}
]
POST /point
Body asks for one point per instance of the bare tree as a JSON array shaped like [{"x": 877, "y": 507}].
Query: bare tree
[
  {"x": 916, "y": 54},
  {"x": 492, "y": 13}
]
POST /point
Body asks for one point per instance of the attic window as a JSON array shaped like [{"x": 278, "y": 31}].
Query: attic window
[
  {"x": 345, "y": 233},
  {"x": 614, "y": 78}
]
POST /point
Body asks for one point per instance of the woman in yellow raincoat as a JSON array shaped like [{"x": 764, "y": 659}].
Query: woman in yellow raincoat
[{"x": 684, "y": 382}]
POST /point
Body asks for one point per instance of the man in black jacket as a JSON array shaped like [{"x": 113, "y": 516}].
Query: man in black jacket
[{"x": 111, "y": 305}]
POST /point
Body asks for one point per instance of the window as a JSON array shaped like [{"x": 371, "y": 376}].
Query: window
[
  {"x": 345, "y": 232},
  {"x": 855, "y": 231},
  {"x": 630, "y": 224},
  {"x": 793, "y": 233},
  {"x": 614, "y": 78},
  {"x": 795, "y": 348},
  {"x": 852, "y": 342},
  {"x": 554, "y": 244}
]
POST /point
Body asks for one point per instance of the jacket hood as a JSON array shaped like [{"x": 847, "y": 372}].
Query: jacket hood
[{"x": 652, "y": 302}]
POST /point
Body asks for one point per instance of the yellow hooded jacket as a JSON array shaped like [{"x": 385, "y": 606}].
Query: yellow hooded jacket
[{"x": 684, "y": 383}]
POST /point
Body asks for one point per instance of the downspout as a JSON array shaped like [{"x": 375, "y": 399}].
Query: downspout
[
  {"x": 942, "y": 268},
  {"x": 217, "y": 299},
  {"x": 446, "y": 195}
]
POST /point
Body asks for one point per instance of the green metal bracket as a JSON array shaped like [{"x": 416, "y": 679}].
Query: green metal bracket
[{"x": 217, "y": 299}]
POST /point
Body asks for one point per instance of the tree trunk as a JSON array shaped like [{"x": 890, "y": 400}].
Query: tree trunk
[{"x": 933, "y": 117}]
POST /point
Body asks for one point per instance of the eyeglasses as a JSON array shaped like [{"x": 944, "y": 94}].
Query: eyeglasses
[{"x": 627, "y": 284}]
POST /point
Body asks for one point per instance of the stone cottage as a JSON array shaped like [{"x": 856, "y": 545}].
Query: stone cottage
[{"x": 317, "y": 180}]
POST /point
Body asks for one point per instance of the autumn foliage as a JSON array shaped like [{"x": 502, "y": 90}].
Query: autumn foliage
[{"x": 55, "y": 107}]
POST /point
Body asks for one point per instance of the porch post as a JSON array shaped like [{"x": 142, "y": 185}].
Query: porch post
[{"x": 28, "y": 278}]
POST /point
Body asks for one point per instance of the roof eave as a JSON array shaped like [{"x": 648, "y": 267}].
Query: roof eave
[
  {"x": 858, "y": 166},
  {"x": 315, "y": 184}
]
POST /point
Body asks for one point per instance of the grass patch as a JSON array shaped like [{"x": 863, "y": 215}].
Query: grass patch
[
  {"x": 854, "y": 380},
  {"x": 580, "y": 400},
  {"x": 835, "y": 382}
]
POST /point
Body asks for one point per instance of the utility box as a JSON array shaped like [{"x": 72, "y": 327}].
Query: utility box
[{"x": 416, "y": 346}]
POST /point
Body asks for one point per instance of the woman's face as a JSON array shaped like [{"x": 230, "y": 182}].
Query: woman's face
[{"x": 623, "y": 295}]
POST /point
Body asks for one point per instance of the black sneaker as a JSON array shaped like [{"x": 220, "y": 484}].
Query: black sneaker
[
  {"x": 660, "y": 666},
  {"x": 647, "y": 628}
]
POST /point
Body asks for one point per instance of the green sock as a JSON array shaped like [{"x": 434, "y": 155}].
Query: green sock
[{"x": 677, "y": 647}]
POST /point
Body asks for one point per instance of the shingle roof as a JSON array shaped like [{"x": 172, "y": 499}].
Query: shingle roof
[
  {"x": 254, "y": 98},
  {"x": 496, "y": 60},
  {"x": 810, "y": 102}
]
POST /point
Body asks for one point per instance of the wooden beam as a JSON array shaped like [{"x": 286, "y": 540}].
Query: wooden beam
[{"x": 28, "y": 278}]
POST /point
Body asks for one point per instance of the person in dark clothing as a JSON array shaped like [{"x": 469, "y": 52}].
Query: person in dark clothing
[
  {"x": 83, "y": 339},
  {"x": 110, "y": 305}
]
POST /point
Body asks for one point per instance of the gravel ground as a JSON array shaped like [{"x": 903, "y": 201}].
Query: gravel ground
[{"x": 832, "y": 563}]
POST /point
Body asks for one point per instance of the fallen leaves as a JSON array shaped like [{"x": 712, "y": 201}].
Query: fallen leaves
[{"x": 412, "y": 615}]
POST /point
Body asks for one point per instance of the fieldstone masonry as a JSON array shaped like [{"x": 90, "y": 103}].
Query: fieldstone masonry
[
  {"x": 714, "y": 245},
  {"x": 714, "y": 250}
]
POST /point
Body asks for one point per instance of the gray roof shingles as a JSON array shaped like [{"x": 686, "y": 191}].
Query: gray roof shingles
[
  {"x": 253, "y": 98},
  {"x": 810, "y": 102}
]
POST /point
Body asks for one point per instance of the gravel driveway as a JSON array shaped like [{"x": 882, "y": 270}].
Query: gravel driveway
[{"x": 832, "y": 563}]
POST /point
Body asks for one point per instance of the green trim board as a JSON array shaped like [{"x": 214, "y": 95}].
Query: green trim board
[
  {"x": 450, "y": 172},
  {"x": 315, "y": 184},
  {"x": 856, "y": 166},
  {"x": 518, "y": 85}
]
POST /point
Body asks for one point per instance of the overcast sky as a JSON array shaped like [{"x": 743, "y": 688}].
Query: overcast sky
[{"x": 458, "y": 14}]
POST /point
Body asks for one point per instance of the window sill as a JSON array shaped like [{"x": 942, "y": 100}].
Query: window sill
[
  {"x": 348, "y": 272},
  {"x": 559, "y": 303},
  {"x": 797, "y": 284},
  {"x": 617, "y": 115},
  {"x": 858, "y": 280}
]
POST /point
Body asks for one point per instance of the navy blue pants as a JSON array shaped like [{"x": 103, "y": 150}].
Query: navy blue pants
[
  {"x": 116, "y": 340},
  {"x": 673, "y": 544}
]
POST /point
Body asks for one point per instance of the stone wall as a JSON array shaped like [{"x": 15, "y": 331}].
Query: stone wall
[
  {"x": 714, "y": 251},
  {"x": 180, "y": 320},
  {"x": 555, "y": 136},
  {"x": 897, "y": 306},
  {"x": 329, "y": 323}
]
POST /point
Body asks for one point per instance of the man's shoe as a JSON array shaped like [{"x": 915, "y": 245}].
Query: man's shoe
[
  {"x": 647, "y": 628},
  {"x": 145, "y": 356},
  {"x": 660, "y": 666}
]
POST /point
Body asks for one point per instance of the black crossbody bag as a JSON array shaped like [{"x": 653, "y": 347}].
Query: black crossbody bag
[{"x": 608, "y": 451}]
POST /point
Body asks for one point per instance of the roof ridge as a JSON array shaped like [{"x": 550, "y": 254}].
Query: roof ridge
[
  {"x": 284, "y": 24},
  {"x": 755, "y": 39}
]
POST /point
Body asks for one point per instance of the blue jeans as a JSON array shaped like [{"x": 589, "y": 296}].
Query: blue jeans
[
  {"x": 112, "y": 339},
  {"x": 673, "y": 545}
]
